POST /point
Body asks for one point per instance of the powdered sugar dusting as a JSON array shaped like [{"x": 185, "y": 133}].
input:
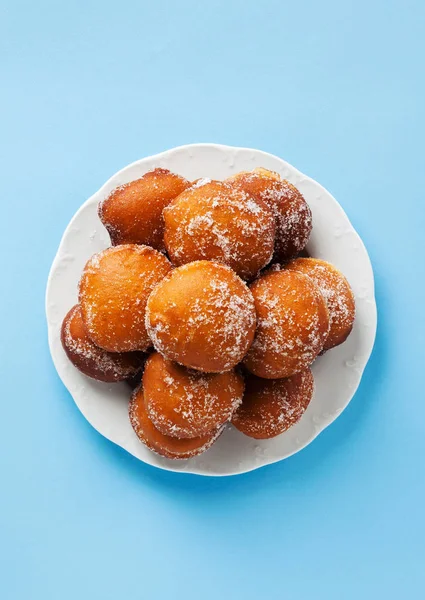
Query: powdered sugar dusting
[
  {"x": 113, "y": 292},
  {"x": 201, "y": 182},
  {"x": 167, "y": 446},
  {"x": 337, "y": 293},
  {"x": 186, "y": 403},
  {"x": 92, "y": 360},
  {"x": 219, "y": 317},
  {"x": 220, "y": 223},
  {"x": 292, "y": 213},
  {"x": 270, "y": 407},
  {"x": 292, "y": 325}
]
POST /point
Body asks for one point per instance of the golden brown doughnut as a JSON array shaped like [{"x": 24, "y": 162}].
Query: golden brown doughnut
[
  {"x": 213, "y": 220},
  {"x": 92, "y": 360},
  {"x": 185, "y": 403},
  {"x": 132, "y": 213},
  {"x": 337, "y": 293},
  {"x": 292, "y": 213},
  {"x": 271, "y": 406},
  {"x": 165, "y": 445},
  {"x": 293, "y": 323},
  {"x": 114, "y": 289},
  {"x": 202, "y": 316}
]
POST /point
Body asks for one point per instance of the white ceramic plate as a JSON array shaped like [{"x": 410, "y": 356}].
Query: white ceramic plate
[{"x": 337, "y": 374}]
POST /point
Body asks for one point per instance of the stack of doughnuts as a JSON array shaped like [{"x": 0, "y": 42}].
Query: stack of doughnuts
[{"x": 208, "y": 305}]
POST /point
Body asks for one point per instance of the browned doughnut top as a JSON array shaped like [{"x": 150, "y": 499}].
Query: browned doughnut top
[
  {"x": 132, "y": 213},
  {"x": 337, "y": 293},
  {"x": 292, "y": 213},
  {"x": 215, "y": 221},
  {"x": 271, "y": 406},
  {"x": 185, "y": 403},
  {"x": 92, "y": 360},
  {"x": 202, "y": 315},
  {"x": 293, "y": 323},
  {"x": 114, "y": 289},
  {"x": 170, "y": 447}
]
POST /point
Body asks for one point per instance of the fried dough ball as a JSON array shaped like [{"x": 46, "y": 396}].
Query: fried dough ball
[
  {"x": 92, "y": 360},
  {"x": 202, "y": 316},
  {"x": 337, "y": 293},
  {"x": 293, "y": 323},
  {"x": 291, "y": 211},
  {"x": 132, "y": 213},
  {"x": 271, "y": 406},
  {"x": 114, "y": 289},
  {"x": 185, "y": 403},
  {"x": 165, "y": 445},
  {"x": 213, "y": 220}
]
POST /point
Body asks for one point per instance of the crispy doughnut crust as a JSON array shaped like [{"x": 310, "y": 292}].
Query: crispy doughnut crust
[
  {"x": 132, "y": 213},
  {"x": 291, "y": 211},
  {"x": 292, "y": 326},
  {"x": 113, "y": 292},
  {"x": 202, "y": 316},
  {"x": 213, "y": 220},
  {"x": 271, "y": 406},
  {"x": 170, "y": 447},
  {"x": 185, "y": 403},
  {"x": 337, "y": 293},
  {"x": 92, "y": 360}
]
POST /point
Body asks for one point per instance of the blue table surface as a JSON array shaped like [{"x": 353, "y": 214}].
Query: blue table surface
[{"x": 335, "y": 88}]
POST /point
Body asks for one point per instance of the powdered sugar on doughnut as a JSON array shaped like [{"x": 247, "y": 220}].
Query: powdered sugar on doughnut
[
  {"x": 292, "y": 325},
  {"x": 113, "y": 292},
  {"x": 186, "y": 403},
  {"x": 92, "y": 360},
  {"x": 337, "y": 293},
  {"x": 220, "y": 223},
  {"x": 291, "y": 211},
  {"x": 219, "y": 317},
  {"x": 271, "y": 406},
  {"x": 167, "y": 446}
]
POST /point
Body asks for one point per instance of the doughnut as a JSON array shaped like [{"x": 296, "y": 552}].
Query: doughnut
[
  {"x": 132, "y": 213},
  {"x": 337, "y": 293},
  {"x": 202, "y": 316},
  {"x": 113, "y": 292},
  {"x": 293, "y": 323},
  {"x": 165, "y": 445},
  {"x": 185, "y": 403},
  {"x": 92, "y": 360},
  {"x": 271, "y": 406},
  {"x": 213, "y": 220},
  {"x": 291, "y": 211}
]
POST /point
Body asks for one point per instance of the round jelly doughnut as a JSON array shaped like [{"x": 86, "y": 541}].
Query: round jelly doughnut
[
  {"x": 132, "y": 213},
  {"x": 293, "y": 323},
  {"x": 202, "y": 316},
  {"x": 271, "y": 406},
  {"x": 185, "y": 403},
  {"x": 114, "y": 289},
  {"x": 213, "y": 220},
  {"x": 291, "y": 211},
  {"x": 92, "y": 360},
  {"x": 165, "y": 445},
  {"x": 337, "y": 293}
]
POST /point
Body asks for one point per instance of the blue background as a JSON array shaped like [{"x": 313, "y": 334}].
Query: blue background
[{"x": 335, "y": 88}]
